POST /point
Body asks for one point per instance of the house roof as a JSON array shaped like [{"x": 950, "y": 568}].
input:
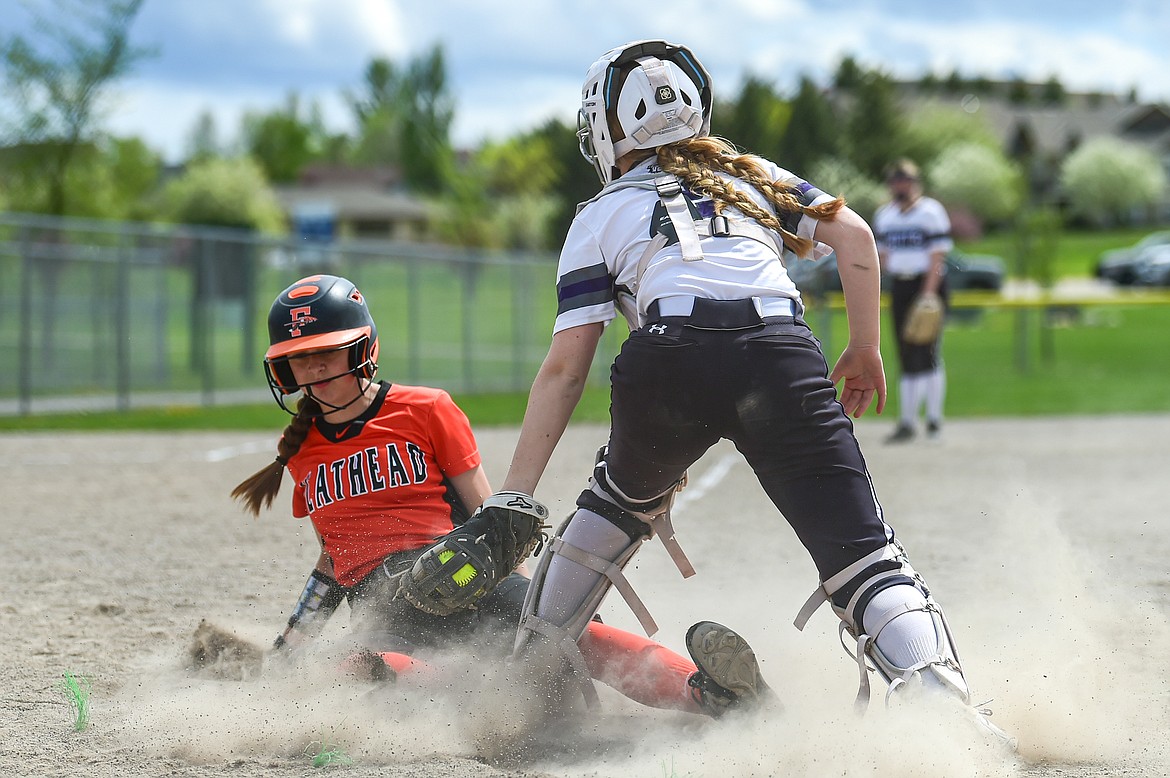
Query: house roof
[
  {"x": 350, "y": 202},
  {"x": 1058, "y": 128}
]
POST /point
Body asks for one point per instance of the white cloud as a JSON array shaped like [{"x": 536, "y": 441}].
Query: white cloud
[{"x": 513, "y": 66}]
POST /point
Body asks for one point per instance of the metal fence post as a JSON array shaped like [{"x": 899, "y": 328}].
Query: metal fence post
[
  {"x": 24, "y": 348},
  {"x": 413, "y": 330},
  {"x": 467, "y": 275},
  {"x": 122, "y": 325}
]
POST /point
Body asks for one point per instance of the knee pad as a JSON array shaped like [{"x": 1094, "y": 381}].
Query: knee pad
[
  {"x": 643, "y": 510},
  {"x": 868, "y": 597},
  {"x": 622, "y": 509}
]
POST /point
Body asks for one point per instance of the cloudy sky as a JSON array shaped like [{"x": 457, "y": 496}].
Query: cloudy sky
[{"x": 514, "y": 64}]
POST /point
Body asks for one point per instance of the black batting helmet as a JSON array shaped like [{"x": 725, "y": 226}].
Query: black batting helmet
[{"x": 318, "y": 313}]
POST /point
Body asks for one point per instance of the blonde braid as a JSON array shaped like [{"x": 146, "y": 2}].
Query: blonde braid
[
  {"x": 260, "y": 488},
  {"x": 696, "y": 162}
]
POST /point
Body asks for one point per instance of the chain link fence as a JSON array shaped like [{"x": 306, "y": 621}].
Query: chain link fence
[{"x": 114, "y": 315}]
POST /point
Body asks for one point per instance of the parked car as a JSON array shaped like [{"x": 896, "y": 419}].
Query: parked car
[
  {"x": 964, "y": 271},
  {"x": 1123, "y": 266},
  {"x": 1155, "y": 267}
]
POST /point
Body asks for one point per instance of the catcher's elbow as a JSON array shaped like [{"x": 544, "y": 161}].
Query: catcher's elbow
[{"x": 564, "y": 380}]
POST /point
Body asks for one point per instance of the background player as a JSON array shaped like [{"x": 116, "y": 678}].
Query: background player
[{"x": 913, "y": 237}]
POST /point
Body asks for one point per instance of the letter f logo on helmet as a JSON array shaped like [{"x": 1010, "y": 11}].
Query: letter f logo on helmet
[{"x": 300, "y": 317}]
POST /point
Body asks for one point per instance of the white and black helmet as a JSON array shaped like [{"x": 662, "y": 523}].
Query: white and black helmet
[{"x": 665, "y": 98}]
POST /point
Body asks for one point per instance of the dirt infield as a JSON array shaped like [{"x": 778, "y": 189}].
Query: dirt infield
[{"x": 1045, "y": 541}]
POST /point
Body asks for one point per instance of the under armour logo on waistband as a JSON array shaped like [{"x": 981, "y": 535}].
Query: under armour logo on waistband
[{"x": 657, "y": 329}]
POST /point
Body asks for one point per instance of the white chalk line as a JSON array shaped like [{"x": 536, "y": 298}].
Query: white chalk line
[
  {"x": 240, "y": 449},
  {"x": 696, "y": 490}
]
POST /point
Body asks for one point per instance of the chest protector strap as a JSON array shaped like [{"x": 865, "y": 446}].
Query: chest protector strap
[{"x": 690, "y": 230}]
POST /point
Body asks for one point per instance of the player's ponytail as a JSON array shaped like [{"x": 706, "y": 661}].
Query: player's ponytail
[
  {"x": 259, "y": 489},
  {"x": 696, "y": 160}
]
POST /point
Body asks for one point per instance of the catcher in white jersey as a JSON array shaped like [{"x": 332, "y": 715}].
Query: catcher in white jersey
[
  {"x": 685, "y": 240},
  {"x": 913, "y": 236}
]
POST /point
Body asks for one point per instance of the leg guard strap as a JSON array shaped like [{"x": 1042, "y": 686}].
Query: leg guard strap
[
  {"x": 613, "y": 573},
  {"x": 863, "y": 583},
  {"x": 655, "y": 512},
  {"x": 825, "y": 590},
  {"x": 564, "y": 636},
  {"x": 566, "y": 646}
]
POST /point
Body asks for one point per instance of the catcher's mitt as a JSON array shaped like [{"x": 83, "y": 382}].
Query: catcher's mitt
[
  {"x": 925, "y": 321},
  {"x": 464, "y": 566},
  {"x": 219, "y": 653}
]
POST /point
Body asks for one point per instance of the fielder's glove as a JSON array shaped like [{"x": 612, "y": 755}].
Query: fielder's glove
[
  {"x": 925, "y": 321},
  {"x": 464, "y": 566}
]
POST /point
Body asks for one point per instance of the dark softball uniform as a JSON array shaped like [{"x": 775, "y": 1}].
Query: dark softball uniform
[{"x": 718, "y": 349}]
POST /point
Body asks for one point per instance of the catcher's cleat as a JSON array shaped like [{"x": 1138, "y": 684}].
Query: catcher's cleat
[
  {"x": 728, "y": 676},
  {"x": 982, "y": 717},
  {"x": 923, "y": 682}
]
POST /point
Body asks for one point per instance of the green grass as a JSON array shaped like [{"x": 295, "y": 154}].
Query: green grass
[
  {"x": 1114, "y": 359},
  {"x": 484, "y": 410},
  {"x": 77, "y": 689}
]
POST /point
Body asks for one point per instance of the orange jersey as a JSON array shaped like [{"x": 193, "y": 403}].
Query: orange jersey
[{"x": 378, "y": 484}]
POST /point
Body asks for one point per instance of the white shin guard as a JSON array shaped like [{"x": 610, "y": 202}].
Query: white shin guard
[
  {"x": 585, "y": 558},
  {"x": 900, "y": 631},
  {"x": 570, "y": 583}
]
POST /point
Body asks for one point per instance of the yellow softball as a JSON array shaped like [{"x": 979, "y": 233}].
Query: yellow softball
[{"x": 463, "y": 575}]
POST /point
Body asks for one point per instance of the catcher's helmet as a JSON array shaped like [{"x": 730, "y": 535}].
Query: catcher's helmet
[
  {"x": 318, "y": 313},
  {"x": 665, "y": 96}
]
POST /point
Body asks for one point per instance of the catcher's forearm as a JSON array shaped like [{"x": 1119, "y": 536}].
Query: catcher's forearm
[
  {"x": 554, "y": 395},
  {"x": 318, "y": 600},
  {"x": 860, "y": 271}
]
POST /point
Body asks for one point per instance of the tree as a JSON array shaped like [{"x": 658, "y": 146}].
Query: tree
[
  {"x": 203, "y": 140},
  {"x": 223, "y": 193},
  {"x": 404, "y": 117},
  {"x": 934, "y": 128},
  {"x": 1019, "y": 91},
  {"x": 1106, "y": 181},
  {"x": 283, "y": 141},
  {"x": 426, "y": 126},
  {"x": 523, "y": 164},
  {"x": 575, "y": 180},
  {"x": 848, "y": 75},
  {"x": 874, "y": 125},
  {"x": 1053, "y": 92},
  {"x": 110, "y": 179},
  {"x": 839, "y": 177},
  {"x": 978, "y": 178},
  {"x": 378, "y": 114},
  {"x": 954, "y": 83},
  {"x": 58, "y": 87},
  {"x": 812, "y": 133},
  {"x": 755, "y": 121}
]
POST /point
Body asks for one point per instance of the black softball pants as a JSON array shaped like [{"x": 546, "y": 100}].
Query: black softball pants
[{"x": 678, "y": 388}]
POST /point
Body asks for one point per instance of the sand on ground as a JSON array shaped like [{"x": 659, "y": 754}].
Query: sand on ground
[{"x": 1045, "y": 541}]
